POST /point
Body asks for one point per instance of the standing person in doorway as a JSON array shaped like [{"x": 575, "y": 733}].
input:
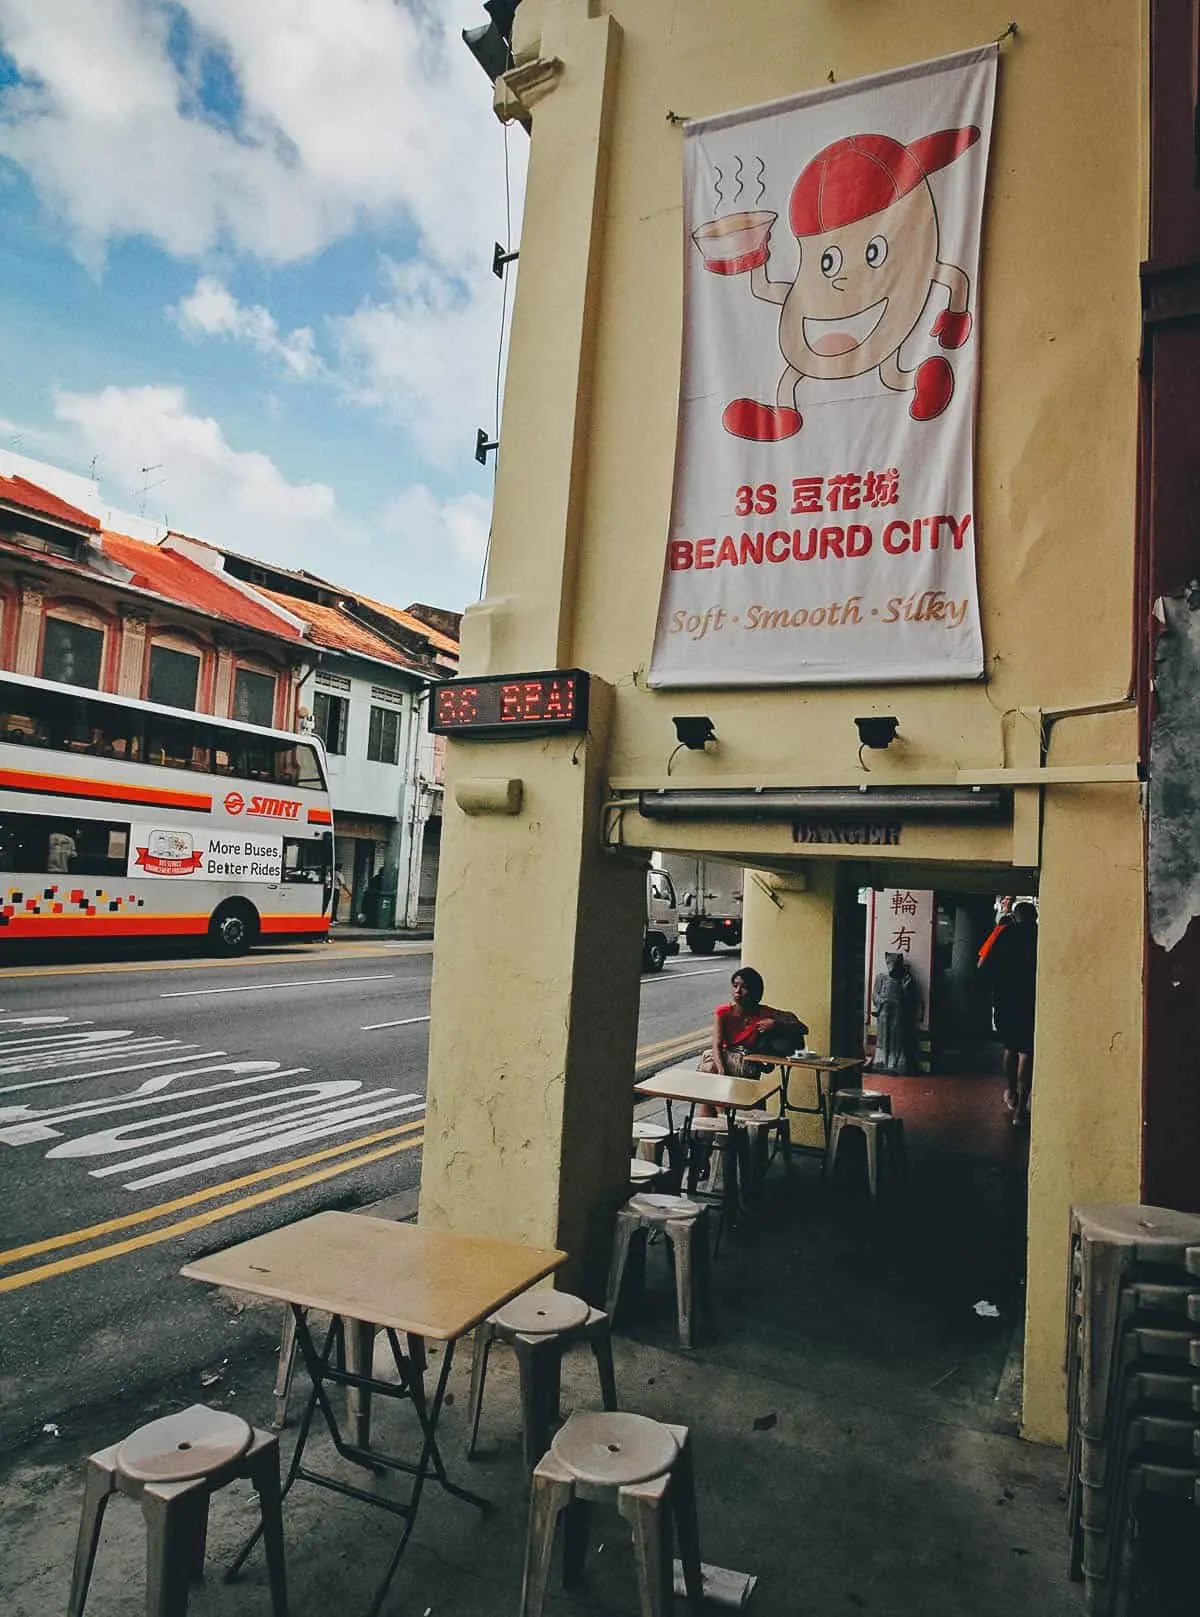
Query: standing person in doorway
[
  {"x": 340, "y": 891},
  {"x": 1003, "y": 919},
  {"x": 1011, "y": 971}
]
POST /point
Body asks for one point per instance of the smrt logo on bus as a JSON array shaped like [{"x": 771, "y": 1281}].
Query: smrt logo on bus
[{"x": 271, "y": 808}]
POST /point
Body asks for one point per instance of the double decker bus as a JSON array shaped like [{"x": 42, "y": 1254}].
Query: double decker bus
[{"x": 122, "y": 818}]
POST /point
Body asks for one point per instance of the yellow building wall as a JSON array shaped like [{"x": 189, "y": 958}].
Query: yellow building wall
[
  {"x": 583, "y": 496},
  {"x": 787, "y": 934}
]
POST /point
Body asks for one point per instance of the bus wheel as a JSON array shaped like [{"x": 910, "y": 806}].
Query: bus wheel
[{"x": 234, "y": 927}]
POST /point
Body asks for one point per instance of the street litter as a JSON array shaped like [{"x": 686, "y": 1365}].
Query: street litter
[
  {"x": 987, "y": 1310},
  {"x": 51, "y": 1430}
]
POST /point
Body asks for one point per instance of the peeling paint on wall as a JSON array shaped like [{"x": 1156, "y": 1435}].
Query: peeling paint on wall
[{"x": 1174, "y": 861}]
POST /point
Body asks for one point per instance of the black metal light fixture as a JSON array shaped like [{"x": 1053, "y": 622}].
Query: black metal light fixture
[
  {"x": 484, "y": 446},
  {"x": 694, "y": 733},
  {"x": 491, "y": 43},
  {"x": 878, "y": 732},
  {"x": 500, "y": 258}
]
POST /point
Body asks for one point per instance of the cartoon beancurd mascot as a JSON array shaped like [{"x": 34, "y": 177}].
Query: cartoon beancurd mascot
[{"x": 866, "y": 225}]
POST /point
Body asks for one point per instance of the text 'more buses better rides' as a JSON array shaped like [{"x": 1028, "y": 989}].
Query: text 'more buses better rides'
[{"x": 122, "y": 818}]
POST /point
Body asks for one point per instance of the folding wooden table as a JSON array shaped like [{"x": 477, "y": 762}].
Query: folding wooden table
[
  {"x": 417, "y": 1285},
  {"x": 828, "y": 1071},
  {"x": 728, "y": 1095}
]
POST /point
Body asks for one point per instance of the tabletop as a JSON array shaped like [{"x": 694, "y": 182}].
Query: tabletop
[
  {"x": 809, "y": 1058},
  {"x": 709, "y": 1088},
  {"x": 434, "y": 1283}
]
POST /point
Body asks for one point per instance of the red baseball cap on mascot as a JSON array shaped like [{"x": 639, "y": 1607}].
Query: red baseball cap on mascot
[{"x": 863, "y": 174}]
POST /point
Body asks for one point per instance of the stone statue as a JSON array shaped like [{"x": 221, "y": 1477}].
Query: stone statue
[{"x": 897, "y": 1005}]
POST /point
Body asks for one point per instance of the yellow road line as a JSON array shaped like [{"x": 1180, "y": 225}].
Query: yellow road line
[
  {"x": 345, "y": 951},
  {"x": 665, "y": 1044},
  {"x": 147, "y": 1215},
  {"x": 214, "y": 1215}
]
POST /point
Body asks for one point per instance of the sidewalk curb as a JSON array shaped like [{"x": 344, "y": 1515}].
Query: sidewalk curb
[{"x": 371, "y": 934}]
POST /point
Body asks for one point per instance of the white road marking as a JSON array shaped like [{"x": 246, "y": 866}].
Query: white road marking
[
  {"x": 110, "y": 1072},
  {"x": 18, "y": 1049},
  {"x": 405, "y": 1021},
  {"x": 674, "y": 976},
  {"x": 22, "y": 1124},
  {"x": 379, "y": 1111},
  {"x": 45, "y": 1062},
  {"x": 192, "y": 1112},
  {"x": 40, "y": 1021},
  {"x": 299, "y": 982}
]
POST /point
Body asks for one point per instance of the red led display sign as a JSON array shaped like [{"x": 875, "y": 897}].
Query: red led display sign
[{"x": 511, "y": 704}]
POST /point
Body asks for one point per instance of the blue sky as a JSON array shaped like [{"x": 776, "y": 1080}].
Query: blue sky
[{"x": 248, "y": 243}]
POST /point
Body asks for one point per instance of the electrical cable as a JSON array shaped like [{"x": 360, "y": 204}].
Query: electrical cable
[{"x": 487, "y": 549}]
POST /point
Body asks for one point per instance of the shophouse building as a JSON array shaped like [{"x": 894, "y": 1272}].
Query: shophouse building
[
  {"x": 89, "y": 607},
  {"x": 184, "y": 623},
  {"x": 365, "y": 692},
  {"x": 1050, "y": 753}
]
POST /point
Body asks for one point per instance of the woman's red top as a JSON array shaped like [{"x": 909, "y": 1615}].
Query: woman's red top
[{"x": 739, "y": 1027}]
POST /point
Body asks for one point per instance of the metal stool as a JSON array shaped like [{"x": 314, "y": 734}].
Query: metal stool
[
  {"x": 872, "y": 1126},
  {"x": 685, "y": 1225},
  {"x": 649, "y": 1140},
  {"x": 755, "y": 1128},
  {"x": 706, "y": 1139},
  {"x": 538, "y": 1325},
  {"x": 642, "y": 1467},
  {"x": 172, "y": 1466},
  {"x": 861, "y": 1100},
  {"x": 643, "y": 1175}
]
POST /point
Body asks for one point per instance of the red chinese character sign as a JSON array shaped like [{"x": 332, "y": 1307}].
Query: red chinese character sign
[
  {"x": 900, "y": 939},
  {"x": 823, "y": 520}
]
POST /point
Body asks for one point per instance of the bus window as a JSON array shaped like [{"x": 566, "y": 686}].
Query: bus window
[
  {"x": 50, "y": 845},
  {"x": 308, "y": 768},
  {"x": 119, "y": 734},
  {"x": 70, "y": 723},
  {"x": 305, "y": 859},
  {"x": 87, "y": 724},
  {"x": 287, "y": 770},
  {"x": 17, "y": 726},
  {"x": 176, "y": 743},
  {"x": 296, "y": 765},
  {"x": 257, "y": 758}
]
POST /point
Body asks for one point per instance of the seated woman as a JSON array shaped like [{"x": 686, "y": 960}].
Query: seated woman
[{"x": 742, "y": 1029}]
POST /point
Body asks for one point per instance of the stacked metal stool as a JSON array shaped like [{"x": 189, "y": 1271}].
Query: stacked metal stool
[{"x": 1133, "y": 1384}]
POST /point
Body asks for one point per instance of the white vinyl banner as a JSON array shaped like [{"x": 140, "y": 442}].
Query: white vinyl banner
[
  {"x": 205, "y": 855},
  {"x": 823, "y": 524}
]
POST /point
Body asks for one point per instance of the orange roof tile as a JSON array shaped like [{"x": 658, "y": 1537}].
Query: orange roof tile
[
  {"x": 186, "y": 583},
  {"x": 338, "y": 631},
  {"x": 442, "y": 642},
  {"x": 30, "y": 497}
]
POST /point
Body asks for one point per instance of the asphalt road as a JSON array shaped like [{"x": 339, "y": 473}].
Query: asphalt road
[{"x": 154, "y": 1110}]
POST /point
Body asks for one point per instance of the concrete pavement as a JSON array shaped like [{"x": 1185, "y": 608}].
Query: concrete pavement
[
  {"x": 851, "y": 1449},
  {"x": 153, "y": 1109}
]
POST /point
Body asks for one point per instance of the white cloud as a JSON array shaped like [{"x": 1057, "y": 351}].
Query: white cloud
[
  {"x": 420, "y": 546},
  {"x": 426, "y": 355},
  {"x": 211, "y": 310},
  {"x": 460, "y": 522},
  {"x": 326, "y": 118},
  {"x": 237, "y": 496}
]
